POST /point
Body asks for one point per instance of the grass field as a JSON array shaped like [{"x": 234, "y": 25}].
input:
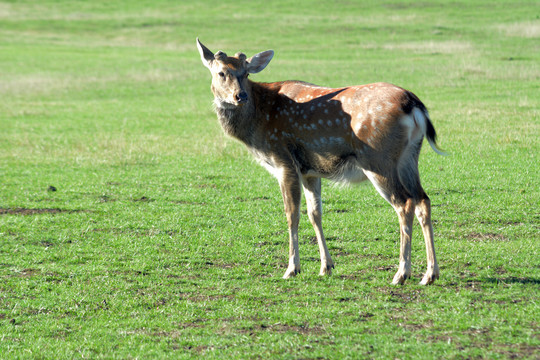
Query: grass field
[{"x": 131, "y": 227}]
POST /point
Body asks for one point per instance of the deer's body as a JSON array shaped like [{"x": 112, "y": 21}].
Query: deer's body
[{"x": 302, "y": 133}]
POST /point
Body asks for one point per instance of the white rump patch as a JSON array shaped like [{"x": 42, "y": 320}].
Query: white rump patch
[
  {"x": 416, "y": 127},
  {"x": 413, "y": 131}
]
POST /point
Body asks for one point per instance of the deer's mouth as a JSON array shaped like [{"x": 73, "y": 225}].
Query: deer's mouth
[{"x": 222, "y": 104}]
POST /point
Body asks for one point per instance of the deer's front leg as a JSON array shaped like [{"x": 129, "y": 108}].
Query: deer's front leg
[
  {"x": 291, "y": 191},
  {"x": 312, "y": 191}
]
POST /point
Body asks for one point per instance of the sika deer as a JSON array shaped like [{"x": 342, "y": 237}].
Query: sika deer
[{"x": 302, "y": 133}]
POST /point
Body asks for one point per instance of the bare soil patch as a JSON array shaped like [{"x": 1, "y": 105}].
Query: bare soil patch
[
  {"x": 280, "y": 328},
  {"x": 25, "y": 211},
  {"x": 487, "y": 237}
]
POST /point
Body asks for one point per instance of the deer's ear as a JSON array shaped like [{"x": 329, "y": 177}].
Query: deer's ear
[
  {"x": 258, "y": 62},
  {"x": 206, "y": 55}
]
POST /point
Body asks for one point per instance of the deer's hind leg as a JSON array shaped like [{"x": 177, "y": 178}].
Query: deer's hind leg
[
  {"x": 423, "y": 214},
  {"x": 405, "y": 212},
  {"x": 393, "y": 191},
  {"x": 409, "y": 177},
  {"x": 312, "y": 192}
]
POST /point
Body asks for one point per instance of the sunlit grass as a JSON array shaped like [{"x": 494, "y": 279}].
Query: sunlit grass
[{"x": 130, "y": 226}]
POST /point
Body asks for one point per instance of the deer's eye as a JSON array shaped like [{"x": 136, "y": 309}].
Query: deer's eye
[{"x": 221, "y": 74}]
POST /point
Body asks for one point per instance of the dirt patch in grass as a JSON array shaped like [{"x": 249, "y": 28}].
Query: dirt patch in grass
[
  {"x": 364, "y": 316},
  {"x": 29, "y": 273},
  {"x": 487, "y": 237},
  {"x": 509, "y": 351},
  {"x": 198, "y": 349},
  {"x": 221, "y": 265},
  {"x": 519, "y": 351},
  {"x": 195, "y": 297},
  {"x": 339, "y": 252},
  {"x": 410, "y": 326},
  {"x": 187, "y": 202},
  {"x": 258, "y": 198},
  {"x": 197, "y": 323},
  {"x": 402, "y": 295},
  {"x": 339, "y": 211},
  {"x": 352, "y": 276},
  {"x": 280, "y": 328},
  {"x": 473, "y": 285},
  {"x": 137, "y": 231},
  {"x": 106, "y": 198},
  {"x": 143, "y": 199},
  {"x": 25, "y": 211},
  {"x": 514, "y": 280}
]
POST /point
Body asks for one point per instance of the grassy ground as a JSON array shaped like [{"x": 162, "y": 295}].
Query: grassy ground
[{"x": 130, "y": 227}]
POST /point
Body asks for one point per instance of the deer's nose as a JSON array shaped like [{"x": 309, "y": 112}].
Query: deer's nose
[{"x": 242, "y": 96}]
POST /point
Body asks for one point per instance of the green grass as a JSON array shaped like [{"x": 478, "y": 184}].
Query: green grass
[{"x": 164, "y": 239}]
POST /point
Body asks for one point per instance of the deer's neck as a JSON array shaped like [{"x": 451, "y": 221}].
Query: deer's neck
[{"x": 237, "y": 121}]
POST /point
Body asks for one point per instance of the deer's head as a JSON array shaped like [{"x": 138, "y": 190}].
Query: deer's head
[{"x": 230, "y": 74}]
